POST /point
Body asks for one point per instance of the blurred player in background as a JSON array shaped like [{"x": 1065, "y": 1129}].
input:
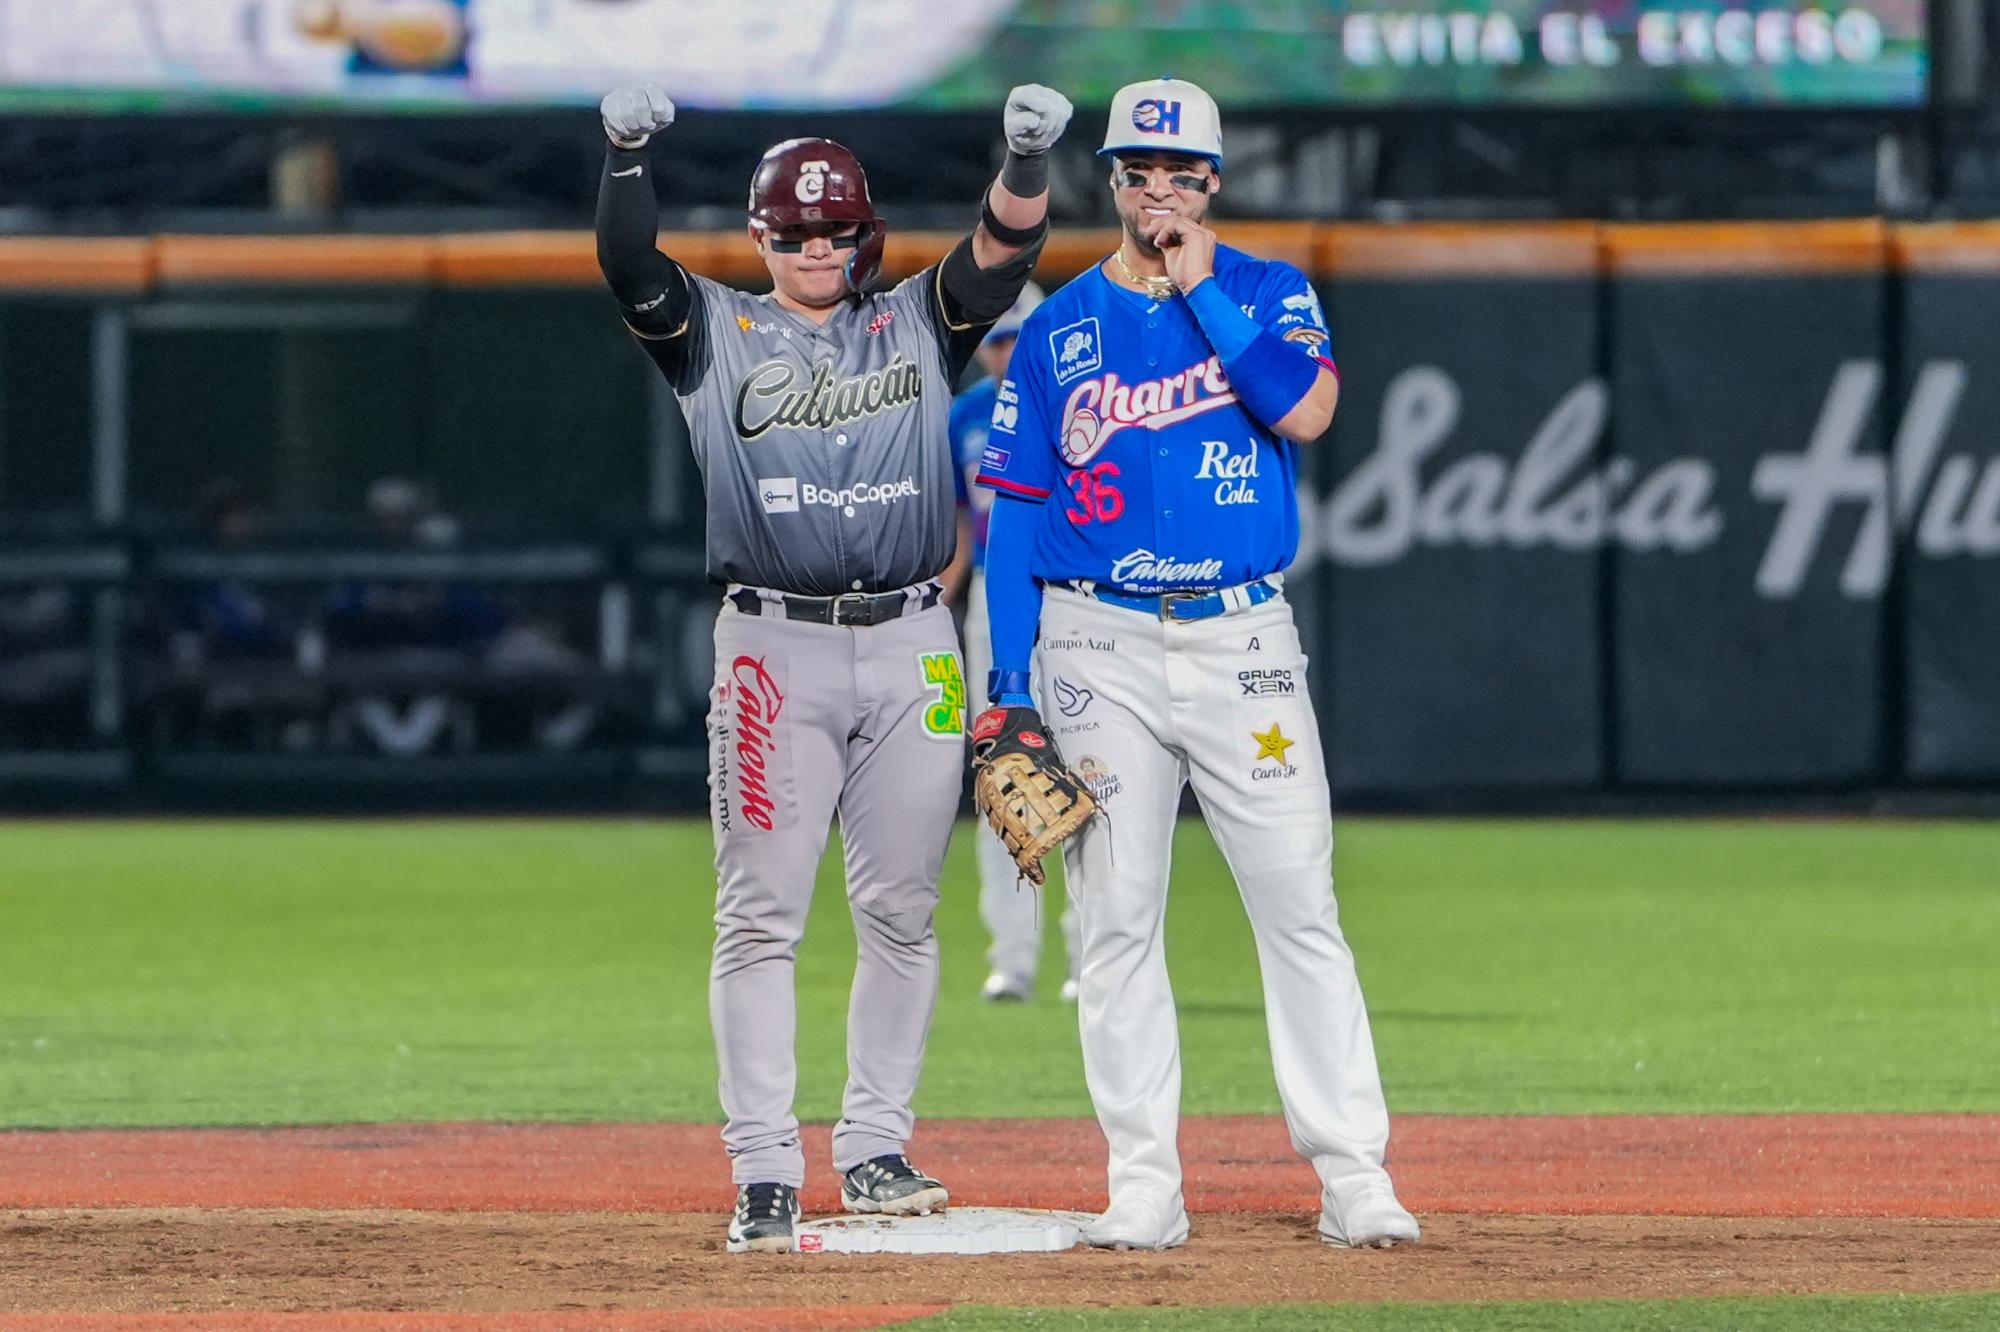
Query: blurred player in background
[
  {"x": 818, "y": 415},
  {"x": 1010, "y": 908},
  {"x": 1145, "y": 447}
]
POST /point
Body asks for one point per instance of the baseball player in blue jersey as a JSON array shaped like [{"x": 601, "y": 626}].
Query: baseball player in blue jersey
[
  {"x": 1009, "y": 907},
  {"x": 1145, "y": 453}
]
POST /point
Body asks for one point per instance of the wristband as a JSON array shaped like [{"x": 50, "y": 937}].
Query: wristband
[
  {"x": 1000, "y": 685},
  {"x": 1025, "y": 175}
]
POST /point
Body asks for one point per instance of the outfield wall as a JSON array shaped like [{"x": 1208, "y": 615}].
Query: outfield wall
[{"x": 1630, "y": 509}]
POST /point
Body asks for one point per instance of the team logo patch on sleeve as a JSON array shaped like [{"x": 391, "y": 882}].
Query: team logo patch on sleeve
[
  {"x": 1076, "y": 349},
  {"x": 1306, "y": 336}
]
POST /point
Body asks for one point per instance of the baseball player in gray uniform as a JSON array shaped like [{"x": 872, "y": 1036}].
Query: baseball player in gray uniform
[{"x": 818, "y": 418}]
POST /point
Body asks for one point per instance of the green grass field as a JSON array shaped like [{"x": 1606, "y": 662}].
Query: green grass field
[{"x": 249, "y": 973}]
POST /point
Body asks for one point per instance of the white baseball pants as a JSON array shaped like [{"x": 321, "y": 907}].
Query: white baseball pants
[{"x": 1221, "y": 702}]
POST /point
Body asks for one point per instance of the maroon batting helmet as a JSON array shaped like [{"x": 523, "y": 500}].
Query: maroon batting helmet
[{"x": 803, "y": 181}]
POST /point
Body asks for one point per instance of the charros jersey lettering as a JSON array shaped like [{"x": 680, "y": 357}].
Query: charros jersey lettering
[{"x": 1116, "y": 414}]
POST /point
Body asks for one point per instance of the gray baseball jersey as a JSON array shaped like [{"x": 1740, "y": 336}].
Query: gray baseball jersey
[{"x": 823, "y": 447}]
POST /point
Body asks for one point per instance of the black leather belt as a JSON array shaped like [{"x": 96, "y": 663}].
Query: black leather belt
[{"x": 850, "y": 609}]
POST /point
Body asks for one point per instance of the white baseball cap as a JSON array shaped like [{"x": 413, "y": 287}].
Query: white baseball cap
[
  {"x": 1163, "y": 114},
  {"x": 1009, "y": 324}
]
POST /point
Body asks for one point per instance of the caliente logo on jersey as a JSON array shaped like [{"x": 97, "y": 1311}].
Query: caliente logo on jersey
[
  {"x": 1099, "y": 408},
  {"x": 1142, "y": 570}
]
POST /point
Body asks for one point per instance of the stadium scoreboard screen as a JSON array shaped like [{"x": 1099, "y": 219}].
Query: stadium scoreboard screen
[{"x": 734, "y": 54}]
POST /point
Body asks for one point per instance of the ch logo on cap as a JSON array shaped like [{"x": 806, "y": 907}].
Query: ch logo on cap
[
  {"x": 812, "y": 181},
  {"x": 1157, "y": 116}
]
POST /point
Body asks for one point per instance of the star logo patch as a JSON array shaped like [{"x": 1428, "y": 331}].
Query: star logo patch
[{"x": 1271, "y": 744}]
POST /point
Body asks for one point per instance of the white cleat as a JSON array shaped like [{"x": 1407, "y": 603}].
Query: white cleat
[
  {"x": 1003, "y": 987},
  {"x": 1139, "y": 1223},
  {"x": 1070, "y": 990},
  {"x": 1371, "y": 1219}
]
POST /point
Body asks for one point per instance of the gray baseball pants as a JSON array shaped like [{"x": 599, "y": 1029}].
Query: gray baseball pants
[{"x": 806, "y": 722}]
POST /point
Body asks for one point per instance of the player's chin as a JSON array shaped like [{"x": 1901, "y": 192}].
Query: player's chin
[{"x": 817, "y": 292}]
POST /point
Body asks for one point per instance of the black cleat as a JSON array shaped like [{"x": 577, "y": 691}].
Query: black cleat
[
  {"x": 892, "y": 1186},
  {"x": 766, "y": 1215}
]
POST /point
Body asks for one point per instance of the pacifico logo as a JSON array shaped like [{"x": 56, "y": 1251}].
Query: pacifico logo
[
  {"x": 770, "y": 396},
  {"x": 1099, "y": 408}
]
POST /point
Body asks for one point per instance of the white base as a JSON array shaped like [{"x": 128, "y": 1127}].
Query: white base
[{"x": 956, "y": 1230}]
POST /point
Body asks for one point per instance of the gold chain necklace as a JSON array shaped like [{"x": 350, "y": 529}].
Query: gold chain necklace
[{"x": 1159, "y": 288}]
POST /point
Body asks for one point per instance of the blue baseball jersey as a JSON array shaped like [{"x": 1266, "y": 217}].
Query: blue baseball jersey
[
  {"x": 971, "y": 416},
  {"x": 1115, "y": 411}
]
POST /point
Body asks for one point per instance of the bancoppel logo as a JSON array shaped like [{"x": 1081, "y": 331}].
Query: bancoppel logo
[
  {"x": 779, "y": 493},
  {"x": 994, "y": 459},
  {"x": 1143, "y": 571},
  {"x": 1266, "y": 683},
  {"x": 848, "y": 498},
  {"x": 1156, "y": 115},
  {"x": 1076, "y": 350},
  {"x": 1071, "y": 699},
  {"x": 812, "y": 181}
]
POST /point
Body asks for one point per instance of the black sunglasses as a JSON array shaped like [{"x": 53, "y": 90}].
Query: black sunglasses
[{"x": 793, "y": 242}]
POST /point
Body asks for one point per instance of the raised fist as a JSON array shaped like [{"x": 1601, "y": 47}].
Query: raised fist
[
  {"x": 1035, "y": 118},
  {"x": 634, "y": 115}
]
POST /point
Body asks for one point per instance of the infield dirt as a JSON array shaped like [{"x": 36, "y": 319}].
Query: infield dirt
[{"x": 561, "y": 1222}]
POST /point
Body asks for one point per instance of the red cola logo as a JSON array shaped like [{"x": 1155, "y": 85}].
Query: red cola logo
[{"x": 758, "y": 702}]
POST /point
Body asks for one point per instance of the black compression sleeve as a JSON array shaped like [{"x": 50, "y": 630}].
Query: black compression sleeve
[
  {"x": 649, "y": 285},
  {"x": 975, "y": 295}
]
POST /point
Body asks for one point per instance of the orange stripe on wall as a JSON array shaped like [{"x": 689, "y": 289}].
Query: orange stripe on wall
[
  {"x": 70, "y": 263},
  {"x": 309, "y": 261},
  {"x": 1455, "y": 249},
  {"x": 1947, "y": 247},
  {"x": 132, "y": 265},
  {"x": 1678, "y": 249}
]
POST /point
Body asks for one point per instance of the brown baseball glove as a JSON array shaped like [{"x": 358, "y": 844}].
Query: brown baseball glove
[{"x": 1020, "y": 783}]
